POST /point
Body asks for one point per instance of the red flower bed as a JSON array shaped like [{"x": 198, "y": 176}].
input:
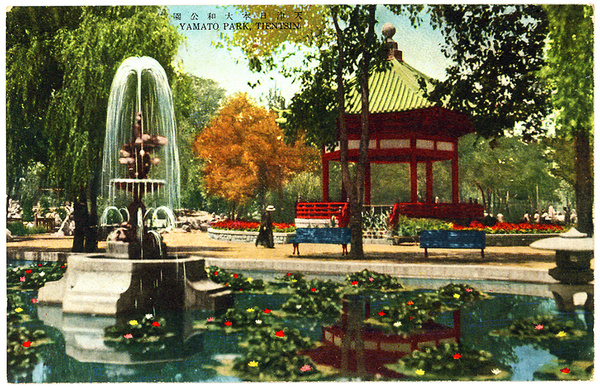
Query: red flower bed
[
  {"x": 249, "y": 226},
  {"x": 506, "y": 228}
]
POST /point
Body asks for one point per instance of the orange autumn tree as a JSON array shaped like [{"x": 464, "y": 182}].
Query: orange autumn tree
[{"x": 245, "y": 155}]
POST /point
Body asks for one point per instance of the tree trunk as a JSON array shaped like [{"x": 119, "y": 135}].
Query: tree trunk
[
  {"x": 81, "y": 217},
  {"x": 584, "y": 183}
]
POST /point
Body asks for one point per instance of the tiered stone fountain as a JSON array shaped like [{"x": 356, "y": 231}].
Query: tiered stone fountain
[{"x": 136, "y": 274}]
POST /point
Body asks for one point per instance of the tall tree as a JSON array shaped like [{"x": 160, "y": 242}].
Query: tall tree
[
  {"x": 245, "y": 155},
  {"x": 348, "y": 52},
  {"x": 570, "y": 75},
  {"x": 196, "y": 101},
  {"x": 84, "y": 47}
]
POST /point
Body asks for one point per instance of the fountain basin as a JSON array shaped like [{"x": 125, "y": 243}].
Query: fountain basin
[{"x": 100, "y": 285}]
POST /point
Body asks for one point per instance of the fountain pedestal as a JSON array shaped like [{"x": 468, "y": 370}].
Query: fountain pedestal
[{"x": 99, "y": 285}]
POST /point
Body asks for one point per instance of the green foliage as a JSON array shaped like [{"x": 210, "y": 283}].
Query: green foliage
[
  {"x": 20, "y": 229},
  {"x": 34, "y": 276},
  {"x": 22, "y": 350},
  {"x": 366, "y": 280},
  {"x": 272, "y": 354},
  {"x": 312, "y": 305},
  {"x": 239, "y": 319},
  {"x": 496, "y": 51},
  {"x": 562, "y": 370},
  {"x": 540, "y": 328},
  {"x": 412, "y": 226},
  {"x": 142, "y": 335},
  {"x": 234, "y": 281},
  {"x": 60, "y": 74},
  {"x": 449, "y": 362},
  {"x": 456, "y": 295}
]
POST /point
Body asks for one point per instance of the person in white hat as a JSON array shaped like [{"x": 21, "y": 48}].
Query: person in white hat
[{"x": 265, "y": 232}]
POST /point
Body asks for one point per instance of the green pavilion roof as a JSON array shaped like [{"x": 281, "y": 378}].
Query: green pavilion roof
[{"x": 395, "y": 89}]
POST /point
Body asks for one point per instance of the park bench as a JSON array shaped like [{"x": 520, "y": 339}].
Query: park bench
[
  {"x": 453, "y": 239},
  {"x": 321, "y": 236}
]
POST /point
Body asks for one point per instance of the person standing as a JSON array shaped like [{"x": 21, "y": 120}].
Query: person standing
[{"x": 265, "y": 232}]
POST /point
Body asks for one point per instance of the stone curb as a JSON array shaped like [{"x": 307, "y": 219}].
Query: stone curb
[{"x": 430, "y": 271}]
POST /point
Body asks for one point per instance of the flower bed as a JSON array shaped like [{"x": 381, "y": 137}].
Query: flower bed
[
  {"x": 249, "y": 226},
  {"x": 510, "y": 228}
]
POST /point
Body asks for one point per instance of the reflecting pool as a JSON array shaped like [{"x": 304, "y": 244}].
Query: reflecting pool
[{"x": 78, "y": 351}]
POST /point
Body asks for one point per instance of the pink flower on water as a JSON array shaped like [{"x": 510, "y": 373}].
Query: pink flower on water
[
  {"x": 371, "y": 279},
  {"x": 128, "y": 336},
  {"x": 539, "y": 326},
  {"x": 210, "y": 319},
  {"x": 33, "y": 300},
  {"x": 306, "y": 368},
  {"x": 469, "y": 289},
  {"x": 22, "y": 278}
]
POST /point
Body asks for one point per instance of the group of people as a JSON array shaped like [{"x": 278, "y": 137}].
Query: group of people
[{"x": 550, "y": 216}]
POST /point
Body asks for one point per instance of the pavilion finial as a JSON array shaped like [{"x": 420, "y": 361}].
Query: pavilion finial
[{"x": 388, "y": 31}]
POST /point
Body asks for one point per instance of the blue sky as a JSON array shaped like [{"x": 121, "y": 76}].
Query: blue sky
[{"x": 420, "y": 48}]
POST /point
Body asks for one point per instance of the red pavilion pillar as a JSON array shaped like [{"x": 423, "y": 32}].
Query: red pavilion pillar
[
  {"x": 368, "y": 184},
  {"x": 413, "y": 178},
  {"x": 429, "y": 178},
  {"x": 455, "y": 196},
  {"x": 325, "y": 167}
]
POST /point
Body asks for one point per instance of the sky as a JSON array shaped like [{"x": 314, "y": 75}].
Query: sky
[{"x": 420, "y": 48}]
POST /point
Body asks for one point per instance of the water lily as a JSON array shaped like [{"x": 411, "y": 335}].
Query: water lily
[
  {"x": 149, "y": 316},
  {"x": 155, "y": 324},
  {"x": 456, "y": 296},
  {"x": 27, "y": 344},
  {"x": 294, "y": 280},
  {"x": 250, "y": 310},
  {"x": 456, "y": 356},
  {"x": 235, "y": 275},
  {"x": 258, "y": 321},
  {"x": 266, "y": 311},
  {"x": 42, "y": 273},
  {"x": 561, "y": 334},
  {"x": 249, "y": 280},
  {"x": 298, "y": 306},
  {"x": 306, "y": 368},
  {"x": 133, "y": 322},
  {"x": 33, "y": 300},
  {"x": 565, "y": 370},
  {"x": 280, "y": 333},
  {"x": 371, "y": 279},
  {"x": 397, "y": 324},
  {"x": 228, "y": 323},
  {"x": 496, "y": 371},
  {"x": 27, "y": 271},
  {"x": 469, "y": 289},
  {"x": 420, "y": 372},
  {"x": 210, "y": 319},
  {"x": 381, "y": 313},
  {"x": 539, "y": 326},
  {"x": 22, "y": 279},
  {"x": 313, "y": 289},
  {"x": 128, "y": 336},
  {"x": 253, "y": 364},
  {"x": 288, "y": 274},
  {"x": 354, "y": 283},
  {"x": 18, "y": 310},
  {"x": 216, "y": 273},
  {"x": 410, "y": 303}
]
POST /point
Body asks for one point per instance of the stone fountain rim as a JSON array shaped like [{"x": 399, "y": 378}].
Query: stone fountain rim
[{"x": 169, "y": 259}]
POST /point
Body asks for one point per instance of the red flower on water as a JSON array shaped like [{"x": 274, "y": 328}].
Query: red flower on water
[
  {"x": 27, "y": 271},
  {"x": 456, "y": 356},
  {"x": 33, "y": 300},
  {"x": 216, "y": 273},
  {"x": 280, "y": 333},
  {"x": 565, "y": 370},
  {"x": 241, "y": 289},
  {"x": 381, "y": 313},
  {"x": 235, "y": 275},
  {"x": 27, "y": 344},
  {"x": 410, "y": 318},
  {"x": 266, "y": 311},
  {"x": 155, "y": 324},
  {"x": 354, "y": 283},
  {"x": 228, "y": 323},
  {"x": 313, "y": 289},
  {"x": 288, "y": 274},
  {"x": 410, "y": 303},
  {"x": 40, "y": 264}
]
